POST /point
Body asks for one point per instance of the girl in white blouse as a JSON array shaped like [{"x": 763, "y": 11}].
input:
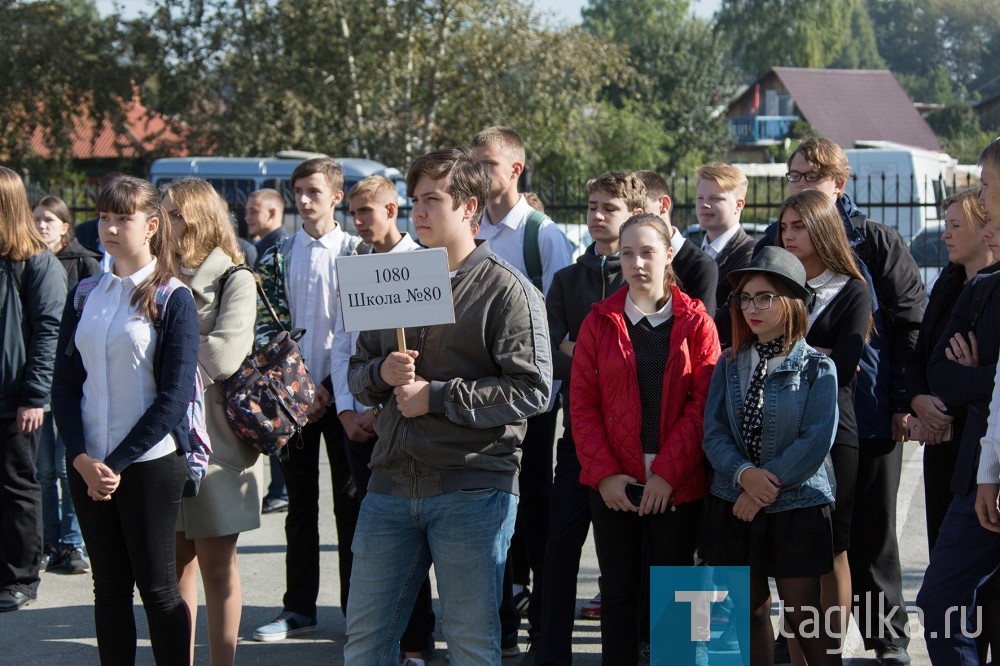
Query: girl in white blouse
[{"x": 123, "y": 380}]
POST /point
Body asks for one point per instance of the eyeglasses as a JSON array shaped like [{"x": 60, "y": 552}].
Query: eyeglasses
[
  {"x": 760, "y": 301},
  {"x": 796, "y": 176}
]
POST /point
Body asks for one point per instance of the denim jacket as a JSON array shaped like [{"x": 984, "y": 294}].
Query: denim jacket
[{"x": 800, "y": 419}]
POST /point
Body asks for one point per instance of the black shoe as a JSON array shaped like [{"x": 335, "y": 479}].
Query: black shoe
[
  {"x": 50, "y": 558},
  {"x": 509, "y": 646},
  {"x": 781, "y": 654},
  {"x": 11, "y": 600},
  {"x": 891, "y": 655},
  {"x": 71, "y": 561},
  {"x": 274, "y": 505}
]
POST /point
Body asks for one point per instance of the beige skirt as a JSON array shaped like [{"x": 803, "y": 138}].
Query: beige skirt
[{"x": 228, "y": 501}]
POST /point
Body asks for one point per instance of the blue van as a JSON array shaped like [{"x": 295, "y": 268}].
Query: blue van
[{"x": 236, "y": 177}]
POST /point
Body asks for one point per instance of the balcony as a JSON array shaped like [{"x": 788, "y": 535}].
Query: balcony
[{"x": 761, "y": 129}]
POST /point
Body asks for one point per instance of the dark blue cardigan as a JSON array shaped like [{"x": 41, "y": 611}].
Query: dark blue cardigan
[{"x": 175, "y": 363}]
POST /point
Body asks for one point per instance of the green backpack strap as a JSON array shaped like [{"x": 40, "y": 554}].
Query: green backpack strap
[{"x": 532, "y": 252}]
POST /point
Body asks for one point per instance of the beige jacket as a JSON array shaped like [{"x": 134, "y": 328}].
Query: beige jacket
[{"x": 226, "y": 339}]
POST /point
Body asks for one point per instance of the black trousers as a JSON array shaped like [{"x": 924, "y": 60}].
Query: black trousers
[
  {"x": 130, "y": 540},
  {"x": 939, "y": 465},
  {"x": 531, "y": 528},
  {"x": 569, "y": 523},
  {"x": 300, "y": 465},
  {"x": 622, "y": 538},
  {"x": 20, "y": 509},
  {"x": 419, "y": 633},
  {"x": 874, "y": 551}
]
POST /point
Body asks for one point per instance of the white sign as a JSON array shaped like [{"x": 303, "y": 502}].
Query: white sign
[{"x": 395, "y": 290}]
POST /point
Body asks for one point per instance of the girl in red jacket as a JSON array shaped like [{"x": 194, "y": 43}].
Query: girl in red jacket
[{"x": 641, "y": 370}]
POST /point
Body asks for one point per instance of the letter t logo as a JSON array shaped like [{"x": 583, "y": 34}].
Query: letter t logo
[{"x": 701, "y": 601}]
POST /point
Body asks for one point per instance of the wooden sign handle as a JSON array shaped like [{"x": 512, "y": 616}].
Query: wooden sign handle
[{"x": 401, "y": 340}]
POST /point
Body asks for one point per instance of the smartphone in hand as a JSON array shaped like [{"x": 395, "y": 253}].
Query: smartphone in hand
[{"x": 634, "y": 493}]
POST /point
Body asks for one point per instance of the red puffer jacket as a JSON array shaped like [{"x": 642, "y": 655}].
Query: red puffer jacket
[{"x": 604, "y": 397}]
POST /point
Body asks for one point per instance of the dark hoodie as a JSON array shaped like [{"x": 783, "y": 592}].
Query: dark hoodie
[
  {"x": 79, "y": 262},
  {"x": 574, "y": 289}
]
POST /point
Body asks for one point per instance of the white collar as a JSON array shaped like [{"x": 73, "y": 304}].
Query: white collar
[
  {"x": 137, "y": 278},
  {"x": 720, "y": 241},
  {"x": 515, "y": 217},
  {"x": 635, "y": 315},
  {"x": 676, "y": 240},
  {"x": 328, "y": 240}
]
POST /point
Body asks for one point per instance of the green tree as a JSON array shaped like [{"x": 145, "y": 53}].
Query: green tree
[
  {"x": 61, "y": 66},
  {"x": 683, "y": 81},
  {"x": 957, "y": 126},
  {"x": 390, "y": 82},
  {"x": 797, "y": 33},
  {"x": 941, "y": 50}
]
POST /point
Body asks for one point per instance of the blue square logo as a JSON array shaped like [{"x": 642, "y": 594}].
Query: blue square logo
[{"x": 690, "y": 609}]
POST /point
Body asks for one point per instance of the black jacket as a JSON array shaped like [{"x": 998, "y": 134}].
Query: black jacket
[
  {"x": 29, "y": 323},
  {"x": 86, "y": 233},
  {"x": 899, "y": 309},
  {"x": 574, "y": 289},
  {"x": 736, "y": 254},
  {"x": 697, "y": 274},
  {"x": 79, "y": 262},
  {"x": 969, "y": 387}
]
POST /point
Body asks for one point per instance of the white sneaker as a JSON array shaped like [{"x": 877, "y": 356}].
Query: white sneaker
[{"x": 286, "y": 625}]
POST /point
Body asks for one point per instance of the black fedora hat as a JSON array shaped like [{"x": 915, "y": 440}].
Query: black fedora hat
[{"x": 780, "y": 263}]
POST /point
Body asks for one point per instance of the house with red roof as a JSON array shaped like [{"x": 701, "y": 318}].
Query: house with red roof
[
  {"x": 143, "y": 136},
  {"x": 844, "y": 105}
]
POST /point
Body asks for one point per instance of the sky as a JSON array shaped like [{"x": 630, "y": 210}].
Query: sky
[{"x": 565, "y": 11}]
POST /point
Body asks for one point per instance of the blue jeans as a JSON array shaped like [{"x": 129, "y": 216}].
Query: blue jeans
[
  {"x": 964, "y": 557},
  {"x": 59, "y": 524},
  {"x": 466, "y": 535}
]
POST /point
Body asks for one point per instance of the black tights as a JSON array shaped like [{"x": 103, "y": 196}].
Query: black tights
[{"x": 803, "y": 611}]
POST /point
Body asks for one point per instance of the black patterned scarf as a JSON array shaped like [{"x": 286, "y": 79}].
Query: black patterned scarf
[{"x": 752, "y": 427}]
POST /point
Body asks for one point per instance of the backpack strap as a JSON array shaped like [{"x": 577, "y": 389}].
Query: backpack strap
[
  {"x": 982, "y": 291},
  {"x": 532, "y": 251},
  {"x": 83, "y": 289},
  {"x": 260, "y": 295}
]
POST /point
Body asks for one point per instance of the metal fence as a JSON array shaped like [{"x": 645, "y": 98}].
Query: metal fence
[{"x": 913, "y": 208}]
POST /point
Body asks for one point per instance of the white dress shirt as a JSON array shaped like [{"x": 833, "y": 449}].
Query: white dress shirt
[
  {"x": 506, "y": 239},
  {"x": 344, "y": 345},
  {"x": 719, "y": 244},
  {"x": 311, "y": 282},
  {"x": 117, "y": 345}
]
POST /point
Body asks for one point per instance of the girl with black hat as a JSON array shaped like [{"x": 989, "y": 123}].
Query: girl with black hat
[{"x": 769, "y": 424}]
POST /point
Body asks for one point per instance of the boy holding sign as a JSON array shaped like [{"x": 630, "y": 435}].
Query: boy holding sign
[{"x": 444, "y": 471}]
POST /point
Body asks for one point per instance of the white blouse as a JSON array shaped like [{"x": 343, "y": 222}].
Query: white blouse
[{"x": 117, "y": 344}]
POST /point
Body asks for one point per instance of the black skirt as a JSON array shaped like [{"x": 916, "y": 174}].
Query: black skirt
[{"x": 797, "y": 543}]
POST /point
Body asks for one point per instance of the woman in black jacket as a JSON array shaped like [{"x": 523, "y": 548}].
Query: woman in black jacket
[
  {"x": 968, "y": 256},
  {"x": 939, "y": 425},
  {"x": 61, "y": 537},
  {"x": 839, "y": 324},
  {"x": 32, "y": 291}
]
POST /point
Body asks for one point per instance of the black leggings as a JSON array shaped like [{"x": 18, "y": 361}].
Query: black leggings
[{"x": 130, "y": 539}]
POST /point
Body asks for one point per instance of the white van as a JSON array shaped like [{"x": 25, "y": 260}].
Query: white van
[
  {"x": 885, "y": 174},
  {"x": 236, "y": 177},
  {"x": 897, "y": 185}
]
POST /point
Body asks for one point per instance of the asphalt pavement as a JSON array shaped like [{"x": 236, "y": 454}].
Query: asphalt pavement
[{"x": 58, "y": 628}]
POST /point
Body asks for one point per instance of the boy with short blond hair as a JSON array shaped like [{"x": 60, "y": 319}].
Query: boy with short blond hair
[{"x": 721, "y": 197}]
